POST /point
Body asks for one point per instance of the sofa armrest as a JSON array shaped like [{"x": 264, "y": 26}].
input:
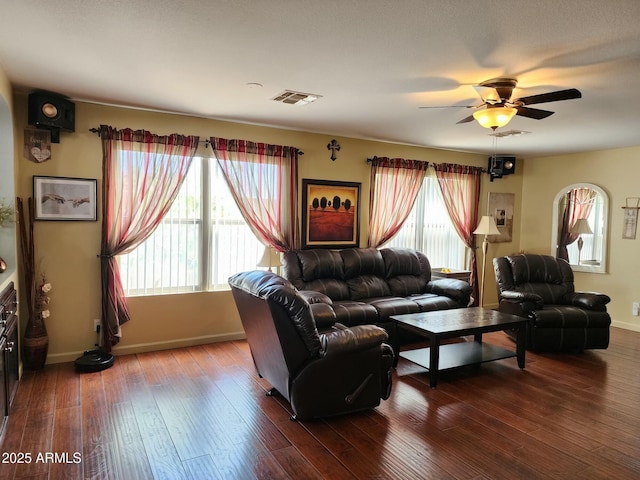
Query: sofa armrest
[
  {"x": 450, "y": 287},
  {"x": 324, "y": 315},
  {"x": 527, "y": 301},
  {"x": 360, "y": 337},
  {"x": 588, "y": 300},
  {"x": 312, "y": 296}
]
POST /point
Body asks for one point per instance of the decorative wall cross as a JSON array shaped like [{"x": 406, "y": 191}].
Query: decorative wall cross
[{"x": 334, "y": 146}]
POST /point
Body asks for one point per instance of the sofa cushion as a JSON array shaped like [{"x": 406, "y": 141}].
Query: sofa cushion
[
  {"x": 317, "y": 264},
  {"x": 367, "y": 286},
  {"x": 429, "y": 302},
  {"x": 535, "y": 269},
  {"x": 543, "y": 275},
  {"x": 404, "y": 285},
  {"x": 387, "y": 306},
  {"x": 362, "y": 261},
  {"x": 400, "y": 261},
  {"x": 407, "y": 271},
  {"x": 351, "y": 313},
  {"x": 332, "y": 288}
]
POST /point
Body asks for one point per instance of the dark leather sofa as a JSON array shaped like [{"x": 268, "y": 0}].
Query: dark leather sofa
[
  {"x": 357, "y": 286},
  {"x": 321, "y": 373},
  {"x": 541, "y": 288}
]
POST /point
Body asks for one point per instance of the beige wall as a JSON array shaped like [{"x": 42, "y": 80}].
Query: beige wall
[
  {"x": 67, "y": 250},
  {"x": 616, "y": 171}
]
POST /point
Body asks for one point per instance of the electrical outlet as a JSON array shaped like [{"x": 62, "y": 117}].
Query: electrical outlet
[
  {"x": 96, "y": 325},
  {"x": 635, "y": 308}
]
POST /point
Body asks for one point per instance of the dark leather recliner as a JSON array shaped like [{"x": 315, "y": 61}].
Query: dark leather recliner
[
  {"x": 335, "y": 371},
  {"x": 541, "y": 288}
]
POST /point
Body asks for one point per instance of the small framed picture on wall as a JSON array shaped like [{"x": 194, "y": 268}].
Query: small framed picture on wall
[
  {"x": 501, "y": 207},
  {"x": 64, "y": 198}
]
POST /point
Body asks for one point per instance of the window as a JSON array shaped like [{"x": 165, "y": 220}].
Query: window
[
  {"x": 200, "y": 243},
  {"x": 429, "y": 229}
]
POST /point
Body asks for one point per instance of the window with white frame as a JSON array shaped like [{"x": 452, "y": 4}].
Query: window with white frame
[
  {"x": 428, "y": 229},
  {"x": 200, "y": 243}
]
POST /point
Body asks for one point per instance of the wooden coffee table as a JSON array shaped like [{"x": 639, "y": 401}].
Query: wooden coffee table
[{"x": 459, "y": 322}]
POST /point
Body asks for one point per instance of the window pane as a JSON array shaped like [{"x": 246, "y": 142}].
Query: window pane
[
  {"x": 429, "y": 230},
  {"x": 169, "y": 260},
  {"x": 234, "y": 247}
]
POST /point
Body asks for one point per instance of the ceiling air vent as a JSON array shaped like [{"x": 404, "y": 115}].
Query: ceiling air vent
[{"x": 296, "y": 98}]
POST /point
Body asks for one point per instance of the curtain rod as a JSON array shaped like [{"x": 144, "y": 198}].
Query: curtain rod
[
  {"x": 206, "y": 142},
  {"x": 97, "y": 132},
  {"x": 431, "y": 164}
]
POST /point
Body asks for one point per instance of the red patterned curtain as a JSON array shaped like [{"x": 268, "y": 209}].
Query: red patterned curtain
[
  {"x": 263, "y": 180},
  {"x": 460, "y": 186},
  {"x": 142, "y": 174},
  {"x": 395, "y": 183},
  {"x": 578, "y": 204}
]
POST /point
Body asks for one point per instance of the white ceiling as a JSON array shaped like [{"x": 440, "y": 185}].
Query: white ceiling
[{"x": 373, "y": 61}]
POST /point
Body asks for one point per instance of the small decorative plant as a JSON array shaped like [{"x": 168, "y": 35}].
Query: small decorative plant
[{"x": 6, "y": 213}]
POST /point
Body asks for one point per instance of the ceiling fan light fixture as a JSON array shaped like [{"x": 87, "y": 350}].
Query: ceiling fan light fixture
[{"x": 494, "y": 117}]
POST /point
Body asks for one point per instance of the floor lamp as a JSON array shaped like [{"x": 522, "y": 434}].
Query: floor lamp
[
  {"x": 487, "y": 226},
  {"x": 581, "y": 227}
]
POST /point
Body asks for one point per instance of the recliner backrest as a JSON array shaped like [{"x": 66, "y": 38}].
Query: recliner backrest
[
  {"x": 544, "y": 275},
  {"x": 278, "y": 323}
]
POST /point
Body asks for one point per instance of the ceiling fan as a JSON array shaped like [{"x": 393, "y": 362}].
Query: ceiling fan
[{"x": 499, "y": 108}]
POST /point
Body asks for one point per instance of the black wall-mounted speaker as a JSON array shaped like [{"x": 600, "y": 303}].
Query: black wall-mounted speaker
[
  {"x": 48, "y": 110},
  {"x": 500, "y": 165}
]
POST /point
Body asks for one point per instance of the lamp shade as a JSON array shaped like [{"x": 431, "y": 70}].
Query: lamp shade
[
  {"x": 581, "y": 226},
  {"x": 270, "y": 258},
  {"x": 487, "y": 226},
  {"x": 494, "y": 117}
]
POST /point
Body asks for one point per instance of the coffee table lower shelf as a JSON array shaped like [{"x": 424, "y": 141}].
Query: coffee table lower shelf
[{"x": 456, "y": 355}]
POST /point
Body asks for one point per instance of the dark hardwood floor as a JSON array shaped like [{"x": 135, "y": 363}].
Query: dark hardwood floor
[{"x": 201, "y": 413}]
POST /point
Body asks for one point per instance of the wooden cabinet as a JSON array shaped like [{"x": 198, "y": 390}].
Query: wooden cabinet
[{"x": 8, "y": 351}]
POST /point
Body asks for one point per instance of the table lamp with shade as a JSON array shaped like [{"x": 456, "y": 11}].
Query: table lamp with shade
[
  {"x": 579, "y": 228},
  {"x": 270, "y": 258},
  {"x": 487, "y": 226}
]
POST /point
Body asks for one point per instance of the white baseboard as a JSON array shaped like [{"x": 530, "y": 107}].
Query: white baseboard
[
  {"x": 152, "y": 346},
  {"x": 626, "y": 325}
]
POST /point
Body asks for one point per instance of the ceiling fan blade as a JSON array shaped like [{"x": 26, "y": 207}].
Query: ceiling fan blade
[
  {"x": 488, "y": 94},
  {"x": 534, "y": 113},
  {"x": 568, "y": 94},
  {"x": 466, "y": 120}
]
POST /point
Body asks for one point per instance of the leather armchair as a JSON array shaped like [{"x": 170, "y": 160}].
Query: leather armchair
[
  {"x": 540, "y": 287},
  {"x": 321, "y": 373}
]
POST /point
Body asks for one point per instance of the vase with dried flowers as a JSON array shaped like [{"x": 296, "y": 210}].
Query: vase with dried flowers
[{"x": 35, "y": 344}]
